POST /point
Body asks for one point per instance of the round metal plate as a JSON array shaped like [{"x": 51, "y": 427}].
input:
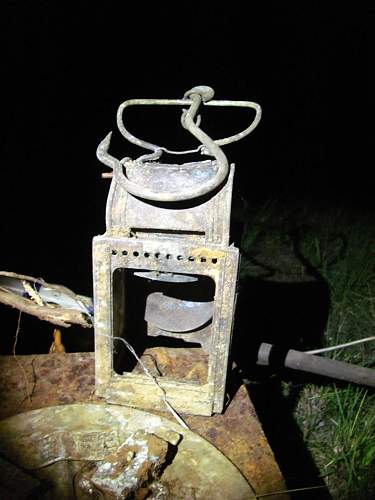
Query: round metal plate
[{"x": 49, "y": 443}]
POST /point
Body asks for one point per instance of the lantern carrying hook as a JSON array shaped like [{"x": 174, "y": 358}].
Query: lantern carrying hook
[{"x": 194, "y": 98}]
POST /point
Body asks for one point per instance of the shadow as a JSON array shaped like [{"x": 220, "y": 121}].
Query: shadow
[
  {"x": 35, "y": 336},
  {"x": 275, "y": 413},
  {"x": 289, "y": 316}
]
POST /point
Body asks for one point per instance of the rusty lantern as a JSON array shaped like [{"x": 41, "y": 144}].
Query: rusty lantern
[{"x": 165, "y": 271}]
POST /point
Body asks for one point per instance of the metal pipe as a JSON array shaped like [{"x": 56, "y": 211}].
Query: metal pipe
[{"x": 297, "y": 360}]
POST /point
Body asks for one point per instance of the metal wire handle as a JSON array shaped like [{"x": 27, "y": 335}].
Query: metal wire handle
[
  {"x": 187, "y": 101},
  {"x": 197, "y": 96}
]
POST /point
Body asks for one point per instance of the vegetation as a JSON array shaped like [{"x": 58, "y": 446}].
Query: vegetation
[{"x": 337, "y": 248}]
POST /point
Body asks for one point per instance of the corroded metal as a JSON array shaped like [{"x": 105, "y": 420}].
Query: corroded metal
[
  {"x": 165, "y": 221},
  {"x": 38, "y": 381},
  {"x": 89, "y": 450}
]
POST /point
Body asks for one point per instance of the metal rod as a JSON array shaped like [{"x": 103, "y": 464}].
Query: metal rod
[
  {"x": 316, "y": 364},
  {"x": 186, "y": 102}
]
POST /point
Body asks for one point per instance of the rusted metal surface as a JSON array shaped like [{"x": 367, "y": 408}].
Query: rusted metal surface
[
  {"x": 188, "y": 364},
  {"x": 163, "y": 222},
  {"x": 238, "y": 433},
  {"x": 56, "y": 379},
  {"x": 133, "y": 469},
  {"x": 107, "y": 451},
  {"x": 111, "y": 254}
]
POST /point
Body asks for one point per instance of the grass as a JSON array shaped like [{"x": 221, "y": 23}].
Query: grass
[
  {"x": 337, "y": 423},
  {"x": 346, "y": 455}
]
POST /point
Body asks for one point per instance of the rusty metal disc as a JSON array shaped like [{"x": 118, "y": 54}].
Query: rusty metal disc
[{"x": 50, "y": 444}]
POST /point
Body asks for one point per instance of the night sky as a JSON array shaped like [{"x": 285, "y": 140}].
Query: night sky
[{"x": 66, "y": 72}]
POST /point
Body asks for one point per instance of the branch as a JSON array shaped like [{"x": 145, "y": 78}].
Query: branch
[{"x": 56, "y": 315}]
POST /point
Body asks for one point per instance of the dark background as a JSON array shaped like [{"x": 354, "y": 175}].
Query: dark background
[{"x": 65, "y": 71}]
